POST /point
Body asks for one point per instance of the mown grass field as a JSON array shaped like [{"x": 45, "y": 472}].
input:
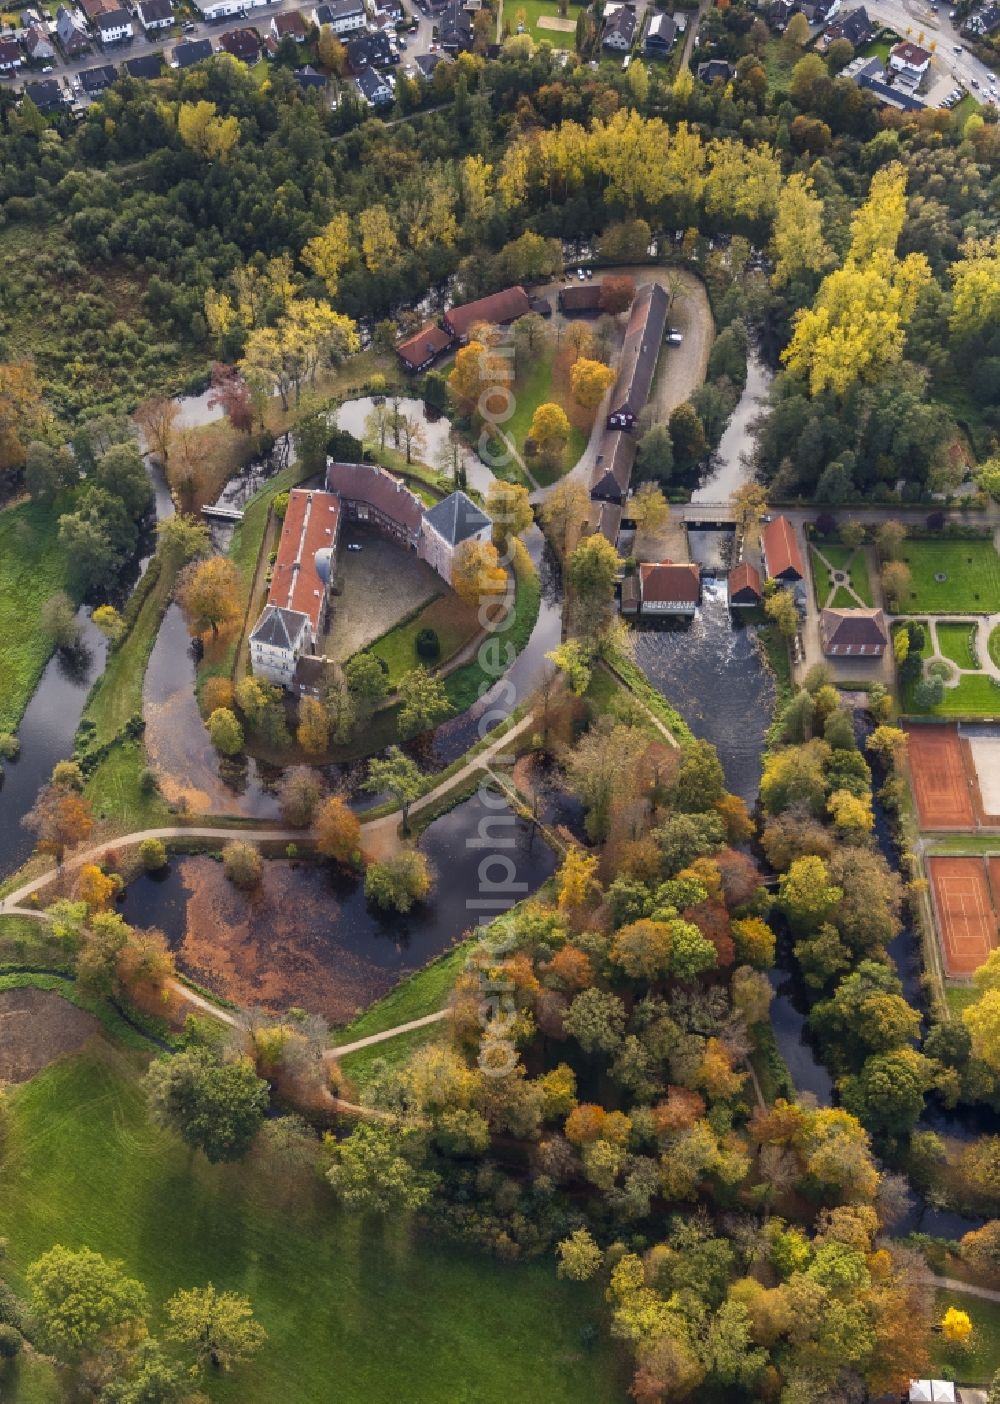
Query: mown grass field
[
  {"x": 955, "y": 642},
  {"x": 360, "y": 1311},
  {"x": 971, "y": 583},
  {"x": 841, "y": 558},
  {"x": 538, "y": 383},
  {"x": 32, "y": 568},
  {"x": 978, "y": 1361},
  {"x": 534, "y": 10}
]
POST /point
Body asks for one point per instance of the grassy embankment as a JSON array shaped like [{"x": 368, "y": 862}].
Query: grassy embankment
[
  {"x": 32, "y": 568},
  {"x": 372, "y": 1305}
]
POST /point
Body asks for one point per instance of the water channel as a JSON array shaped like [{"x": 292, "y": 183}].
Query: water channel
[
  {"x": 308, "y": 937},
  {"x": 435, "y": 428}
]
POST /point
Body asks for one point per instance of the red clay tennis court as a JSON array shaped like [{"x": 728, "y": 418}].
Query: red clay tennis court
[
  {"x": 940, "y": 782},
  {"x": 965, "y": 914}
]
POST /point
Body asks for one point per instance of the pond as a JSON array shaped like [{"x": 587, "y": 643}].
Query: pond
[
  {"x": 308, "y": 937},
  {"x": 352, "y": 415}
]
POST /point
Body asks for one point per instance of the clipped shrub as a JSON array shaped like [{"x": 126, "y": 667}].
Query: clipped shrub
[
  {"x": 428, "y": 645},
  {"x": 153, "y": 855}
]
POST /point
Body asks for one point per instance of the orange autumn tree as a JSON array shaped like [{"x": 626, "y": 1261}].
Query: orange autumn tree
[{"x": 338, "y": 832}]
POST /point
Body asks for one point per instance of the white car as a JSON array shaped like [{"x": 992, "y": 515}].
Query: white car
[
  {"x": 581, "y": 275},
  {"x": 353, "y": 546}
]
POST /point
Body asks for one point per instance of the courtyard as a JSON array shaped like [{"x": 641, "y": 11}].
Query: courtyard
[{"x": 379, "y": 586}]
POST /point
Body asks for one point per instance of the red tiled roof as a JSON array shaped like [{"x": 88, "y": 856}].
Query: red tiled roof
[
  {"x": 498, "y": 308},
  {"x": 291, "y": 23},
  {"x": 666, "y": 581},
  {"x": 781, "y": 549},
  {"x": 430, "y": 340},
  {"x": 310, "y": 524},
  {"x": 744, "y": 577},
  {"x": 912, "y": 54}
]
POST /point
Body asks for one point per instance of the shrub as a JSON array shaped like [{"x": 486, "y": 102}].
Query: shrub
[
  {"x": 935, "y": 521},
  {"x": 10, "y": 1342},
  {"x": 243, "y": 864},
  {"x": 826, "y": 524},
  {"x": 428, "y": 645},
  {"x": 225, "y": 730},
  {"x": 148, "y": 783},
  {"x": 153, "y": 855},
  {"x": 10, "y": 746}
]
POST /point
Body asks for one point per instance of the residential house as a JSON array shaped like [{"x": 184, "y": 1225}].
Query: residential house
[
  {"x": 447, "y": 526},
  {"x": 422, "y": 349},
  {"x": 290, "y": 25},
  {"x": 215, "y": 10},
  {"x": 780, "y": 548},
  {"x": 743, "y": 587},
  {"x": 426, "y": 63},
  {"x": 46, "y": 94},
  {"x": 343, "y": 16},
  {"x": 374, "y": 88},
  {"x": 93, "y": 8},
  {"x": 243, "y": 44},
  {"x": 612, "y": 472},
  {"x": 37, "y": 44},
  {"x": 113, "y": 27},
  {"x": 298, "y": 597},
  {"x": 455, "y": 28},
  {"x": 779, "y": 12},
  {"x": 96, "y": 80},
  {"x": 11, "y": 55},
  {"x": 982, "y": 22},
  {"x": 662, "y": 588},
  {"x": 716, "y": 71},
  {"x": 144, "y": 66},
  {"x": 191, "y": 51},
  {"x": 498, "y": 309},
  {"x": 368, "y": 50},
  {"x": 580, "y": 299},
  {"x": 869, "y": 74},
  {"x": 155, "y": 15},
  {"x": 73, "y": 38},
  {"x": 647, "y": 323},
  {"x": 909, "y": 60},
  {"x": 619, "y": 30},
  {"x": 660, "y": 34},
  {"x": 855, "y": 27},
  {"x": 309, "y": 78},
  {"x": 391, "y": 9},
  {"x": 853, "y": 633},
  {"x": 932, "y": 1392}
]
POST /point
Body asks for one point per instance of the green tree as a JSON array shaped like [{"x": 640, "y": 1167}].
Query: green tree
[
  {"x": 377, "y": 1169},
  {"x": 397, "y": 774},
  {"x": 225, "y": 731},
  {"x": 242, "y": 864},
  {"x": 579, "y": 1256},
  {"x": 806, "y": 893},
  {"x": 423, "y": 702},
  {"x": 121, "y": 472},
  {"x": 215, "y": 1107},
  {"x": 596, "y": 1019},
  {"x": 398, "y": 882},
  {"x": 216, "y": 1328},
  {"x": 78, "y": 1299},
  {"x": 591, "y": 571},
  {"x": 367, "y": 682},
  {"x": 687, "y": 436},
  {"x": 700, "y": 783},
  {"x": 654, "y": 459}
]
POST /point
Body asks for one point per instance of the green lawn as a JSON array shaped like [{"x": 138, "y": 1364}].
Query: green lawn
[
  {"x": 533, "y": 12},
  {"x": 358, "y": 1310},
  {"x": 956, "y": 642},
  {"x": 533, "y": 387},
  {"x": 32, "y": 568},
  {"x": 971, "y": 583},
  {"x": 118, "y": 693},
  {"x": 980, "y": 1359},
  {"x": 779, "y": 60},
  {"x": 959, "y": 997},
  {"x": 994, "y": 645},
  {"x": 115, "y": 793},
  {"x": 454, "y": 623},
  {"x": 841, "y": 558}
]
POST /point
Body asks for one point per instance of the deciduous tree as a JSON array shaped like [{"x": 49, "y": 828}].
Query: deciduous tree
[
  {"x": 208, "y": 593},
  {"x": 338, "y": 831}
]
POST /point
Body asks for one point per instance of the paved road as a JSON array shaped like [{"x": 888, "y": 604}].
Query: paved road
[
  {"x": 915, "y": 20},
  {"x": 259, "y": 18}
]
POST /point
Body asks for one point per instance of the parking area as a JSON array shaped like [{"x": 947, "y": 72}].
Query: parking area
[{"x": 377, "y": 587}]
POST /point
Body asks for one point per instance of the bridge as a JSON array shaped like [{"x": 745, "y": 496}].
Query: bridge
[
  {"x": 222, "y": 514},
  {"x": 706, "y": 514}
]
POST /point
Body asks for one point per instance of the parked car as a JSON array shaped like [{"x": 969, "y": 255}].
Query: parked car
[
  {"x": 674, "y": 338},
  {"x": 581, "y": 275},
  {"x": 353, "y": 546}
]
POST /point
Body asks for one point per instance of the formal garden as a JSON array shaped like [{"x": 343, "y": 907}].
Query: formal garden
[
  {"x": 841, "y": 578},
  {"x": 951, "y": 577}
]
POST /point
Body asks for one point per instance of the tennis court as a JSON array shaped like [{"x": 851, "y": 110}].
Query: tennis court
[
  {"x": 940, "y": 782},
  {"x": 966, "y": 917}
]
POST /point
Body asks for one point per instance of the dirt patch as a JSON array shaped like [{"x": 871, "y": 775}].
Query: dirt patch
[
  {"x": 36, "y": 1028},
  {"x": 564, "y": 26}
]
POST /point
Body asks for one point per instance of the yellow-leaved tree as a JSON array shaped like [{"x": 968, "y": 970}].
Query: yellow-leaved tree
[
  {"x": 379, "y": 245},
  {"x": 857, "y": 325},
  {"x": 975, "y": 301},
  {"x": 201, "y": 128},
  {"x": 329, "y": 252},
  {"x": 589, "y": 380},
  {"x": 798, "y": 245}
]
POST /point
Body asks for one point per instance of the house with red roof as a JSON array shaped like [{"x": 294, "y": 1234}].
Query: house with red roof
[
  {"x": 498, "y": 309},
  {"x": 853, "y": 633},
  {"x": 662, "y": 588},
  {"x": 780, "y": 547},
  {"x": 743, "y": 587},
  {"x": 422, "y": 349}
]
